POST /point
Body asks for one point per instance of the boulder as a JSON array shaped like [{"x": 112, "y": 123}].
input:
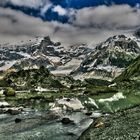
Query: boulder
[
  {"x": 14, "y": 111},
  {"x": 66, "y": 121},
  {"x": 17, "y": 120},
  {"x": 88, "y": 113}
]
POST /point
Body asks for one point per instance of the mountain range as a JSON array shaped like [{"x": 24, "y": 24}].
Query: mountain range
[
  {"x": 106, "y": 60},
  {"x": 42, "y": 52}
]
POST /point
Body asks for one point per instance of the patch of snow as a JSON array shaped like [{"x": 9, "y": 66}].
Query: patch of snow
[
  {"x": 67, "y": 68},
  {"x": 92, "y": 101},
  {"x": 1, "y": 91},
  {"x": 5, "y": 104},
  {"x": 66, "y": 103},
  {"x": 96, "y": 114},
  {"x": 131, "y": 36},
  {"x": 61, "y": 72},
  {"x": 93, "y": 63},
  {"x": 115, "y": 97},
  {"x": 26, "y": 55},
  {"x": 112, "y": 85},
  {"x": 40, "y": 89},
  {"x": 54, "y": 59},
  {"x": 107, "y": 68},
  {"x": 8, "y": 64}
]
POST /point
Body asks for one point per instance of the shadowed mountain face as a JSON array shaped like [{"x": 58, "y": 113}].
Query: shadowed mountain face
[{"x": 132, "y": 72}]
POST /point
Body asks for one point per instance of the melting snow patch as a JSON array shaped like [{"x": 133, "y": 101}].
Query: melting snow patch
[
  {"x": 1, "y": 92},
  {"x": 8, "y": 64},
  {"x": 91, "y": 101},
  {"x": 40, "y": 89},
  {"x": 67, "y": 103},
  {"x": 5, "y": 104},
  {"x": 115, "y": 97}
]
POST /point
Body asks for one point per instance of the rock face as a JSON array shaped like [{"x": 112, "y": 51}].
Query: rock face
[
  {"x": 14, "y": 111},
  {"x": 137, "y": 33},
  {"x": 110, "y": 57},
  {"x": 29, "y": 79}
]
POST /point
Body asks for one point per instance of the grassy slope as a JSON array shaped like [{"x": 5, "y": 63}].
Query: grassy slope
[{"x": 130, "y": 73}]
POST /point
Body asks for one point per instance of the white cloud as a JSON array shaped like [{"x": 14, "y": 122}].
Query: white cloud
[
  {"x": 45, "y": 8},
  {"x": 28, "y": 3},
  {"x": 61, "y": 11},
  {"x": 116, "y": 16}
]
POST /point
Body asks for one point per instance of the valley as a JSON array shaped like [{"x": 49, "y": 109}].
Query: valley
[{"x": 51, "y": 92}]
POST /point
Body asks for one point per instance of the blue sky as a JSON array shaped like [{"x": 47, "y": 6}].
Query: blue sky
[{"x": 87, "y": 3}]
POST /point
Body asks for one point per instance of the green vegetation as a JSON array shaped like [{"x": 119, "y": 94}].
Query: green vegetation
[
  {"x": 28, "y": 79},
  {"x": 97, "y": 82},
  {"x": 132, "y": 72},
  {"x": 98, "y": 90},
  {"x": 9, "y": 92}
]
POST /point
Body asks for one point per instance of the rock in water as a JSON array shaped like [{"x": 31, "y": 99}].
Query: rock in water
[
  {"x": 66, "y": 121},
  {"x": 14, "y": 111},
  {"x": 88, "y": 113},
  {"x": 17, "y": 120}
]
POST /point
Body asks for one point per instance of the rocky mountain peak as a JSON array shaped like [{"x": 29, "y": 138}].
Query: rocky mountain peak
[
  {"x": 46, "y": 41},
  {"x": 109, "y": 58},
  {"x": 119, "y": 42}
]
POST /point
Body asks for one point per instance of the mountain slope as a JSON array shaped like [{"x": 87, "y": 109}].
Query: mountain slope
[
  {"x": 110, "y": 57},
  {"x": 132, "y": 72}
]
